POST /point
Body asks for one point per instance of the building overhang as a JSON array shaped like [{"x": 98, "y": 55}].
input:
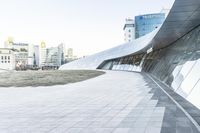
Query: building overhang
[{"x": 183, "y": 17}]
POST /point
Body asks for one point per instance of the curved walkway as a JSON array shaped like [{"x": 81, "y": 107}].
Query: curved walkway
[{"x": 116, "y": 102}]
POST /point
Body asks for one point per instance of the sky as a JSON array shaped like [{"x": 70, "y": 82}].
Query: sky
[{"x": 87, "y": 26}]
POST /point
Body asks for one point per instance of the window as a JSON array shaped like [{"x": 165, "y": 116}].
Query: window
[
  {"x": 8, "y": 61},
  {"x": 1, "y": 57},
  {"x": 8, "y": 57},
  {"x": 5, "y": 57},
  {"x": 129, "y": 36},
  {"x": 129, "y": 31}
]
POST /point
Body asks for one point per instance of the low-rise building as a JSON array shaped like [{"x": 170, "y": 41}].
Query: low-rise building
[
  {"x": 7, "y": 59},
  {"x": 129, "y": 30},
  {"x": 24, "y": 54}
]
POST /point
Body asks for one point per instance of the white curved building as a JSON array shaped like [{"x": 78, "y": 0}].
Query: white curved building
[
  {"x": 170, "y": 54},
  {"x": 176, "y": 25}
]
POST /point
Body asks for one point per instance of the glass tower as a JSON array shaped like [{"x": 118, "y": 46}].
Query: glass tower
[{"x": 147, "y": 23}]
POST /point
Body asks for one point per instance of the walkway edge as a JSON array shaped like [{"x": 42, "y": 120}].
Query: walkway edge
[{"x": 178, "y": 105}]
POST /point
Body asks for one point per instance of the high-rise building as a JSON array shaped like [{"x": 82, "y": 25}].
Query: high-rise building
[
  {"x": 61, "y": 53},
  {"x": 142, "y": 25},
  {"x": 30, "y": 55},
  {"x": 43, "y": 54},
  {"x": 51, "y": 58},
  {"x": 145, "y": 24},
  {"x": 36, "y": 55},
  {"x": 129, "y": 30},
  {"x": 70, "y": 52},
  {"x": 70, "y": 55}
]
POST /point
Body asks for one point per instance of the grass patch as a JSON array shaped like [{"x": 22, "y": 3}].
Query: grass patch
[{"x": 45, "y": 78}]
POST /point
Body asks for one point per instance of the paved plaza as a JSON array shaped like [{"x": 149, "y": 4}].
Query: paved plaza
[{"x": 116, "y": 102}]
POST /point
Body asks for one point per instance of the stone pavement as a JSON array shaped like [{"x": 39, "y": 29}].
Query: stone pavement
[{"x": 116, "y": 102}]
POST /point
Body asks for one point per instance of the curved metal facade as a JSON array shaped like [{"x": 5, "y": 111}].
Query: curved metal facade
[
  {"x": 183, "y": 17},
  {"x": 175, "y": 59},
  {"x": 177, "y": 66},
  {"x": 92, "y": 62}
]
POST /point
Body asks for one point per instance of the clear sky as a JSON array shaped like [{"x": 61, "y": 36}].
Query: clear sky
[{"x": 88, "y": 26}]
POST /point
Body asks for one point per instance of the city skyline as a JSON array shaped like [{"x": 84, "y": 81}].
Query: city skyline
[
  {"x": 88, "y": 27},
  {"x": 128, "y": 66}
]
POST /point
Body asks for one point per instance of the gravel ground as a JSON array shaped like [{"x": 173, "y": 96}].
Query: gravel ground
[{"x": 45, "y": 78}]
